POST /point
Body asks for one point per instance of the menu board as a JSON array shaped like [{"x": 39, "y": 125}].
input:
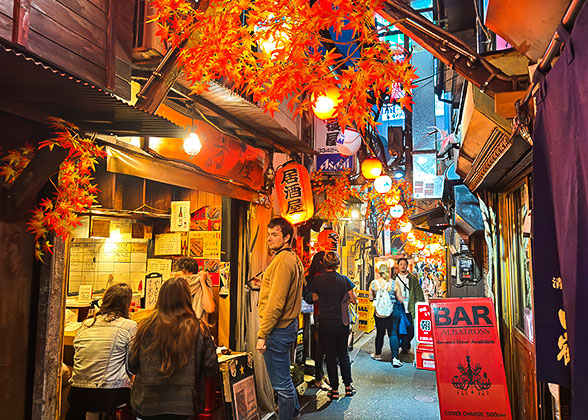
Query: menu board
[
  {"x": 168, "y": 244},
  {"x": 159, "y": 265},
  {"x": 102, "y": 262}
]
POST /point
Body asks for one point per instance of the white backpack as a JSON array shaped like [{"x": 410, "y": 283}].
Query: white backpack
[{"x": 382, "y": 303}]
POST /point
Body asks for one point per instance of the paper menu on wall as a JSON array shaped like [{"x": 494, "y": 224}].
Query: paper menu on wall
[
  {"x": 159, "y": 265},
  {"x": 168, "y": 244},
  {"x": 180, "y": 216},
  {"x": 205, "y": 244}
]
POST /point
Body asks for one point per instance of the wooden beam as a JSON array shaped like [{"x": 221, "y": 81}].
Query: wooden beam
[
  {"x": 20, "y": 23},
  {"x": 111, "y": 45},
  {"x": 22, "y": 195}
]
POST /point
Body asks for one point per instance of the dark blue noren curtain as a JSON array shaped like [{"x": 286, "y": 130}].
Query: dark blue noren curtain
[{"x": 560, "y": 156}]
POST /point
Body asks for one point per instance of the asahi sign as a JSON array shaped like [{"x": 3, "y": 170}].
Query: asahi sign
[{"x": 470, "y": 372}]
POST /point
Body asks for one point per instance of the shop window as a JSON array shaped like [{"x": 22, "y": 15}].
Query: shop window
[{"x": 521, "y": 261}]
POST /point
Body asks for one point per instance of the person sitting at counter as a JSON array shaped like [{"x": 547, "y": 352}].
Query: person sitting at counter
[
  {"x": 100, "y": 380},
  {"x": 200, "y": 285},
  {"x": 170, "y": 356}
]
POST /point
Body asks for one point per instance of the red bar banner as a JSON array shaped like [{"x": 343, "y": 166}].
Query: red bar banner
[{"x": 470, "y": 372}]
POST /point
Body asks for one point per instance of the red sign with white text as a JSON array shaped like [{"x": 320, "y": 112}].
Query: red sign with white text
[
  {"x": 423, "y": 325},
  {"x": 470, "y": 372}
]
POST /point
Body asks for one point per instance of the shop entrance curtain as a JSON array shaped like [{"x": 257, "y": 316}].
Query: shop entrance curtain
[{"x": 560, "y": 159}]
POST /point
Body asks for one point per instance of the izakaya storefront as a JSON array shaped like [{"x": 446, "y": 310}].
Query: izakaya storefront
[{"x": 156, "y": 205}]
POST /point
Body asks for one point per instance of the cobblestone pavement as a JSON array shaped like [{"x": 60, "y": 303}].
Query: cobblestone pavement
[{"x": 383, "y": 392}]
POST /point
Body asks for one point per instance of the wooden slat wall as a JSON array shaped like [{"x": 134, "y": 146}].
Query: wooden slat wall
[
  {"x": 6, "y": 12},
  {"x": 72, "y": 35}
]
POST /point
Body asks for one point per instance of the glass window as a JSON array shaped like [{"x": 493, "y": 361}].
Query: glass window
[{"x": 521, "y": 261}]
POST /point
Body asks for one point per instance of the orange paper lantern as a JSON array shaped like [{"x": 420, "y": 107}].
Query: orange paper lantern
[
  {"x": 324, "y": 107},
  {"x": 328, "y": 240},
  {"x": 371, "y": 168},
  {"x": 294, "y": 192}
]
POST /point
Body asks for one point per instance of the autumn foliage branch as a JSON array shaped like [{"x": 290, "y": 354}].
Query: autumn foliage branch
[
  {"x": 224, "y": 41},
  {"x": 74, "y": 191}
]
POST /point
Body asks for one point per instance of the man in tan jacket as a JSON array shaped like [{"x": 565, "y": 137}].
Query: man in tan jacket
[{"x": 279, "y": 306}]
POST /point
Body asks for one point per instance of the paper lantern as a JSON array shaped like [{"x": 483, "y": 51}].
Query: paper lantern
[
  {"x": 349, "y": 142},
  {"x": 383, "y": 184},
  {"x": 324, "y": 107},
  {"x": 371, "y": 168},
  {"x": 328, "y": 240},
  {"x": 294, "y": 192},
  {"x": 397, "y": 211},
  {"x": 405, "y": 228}
]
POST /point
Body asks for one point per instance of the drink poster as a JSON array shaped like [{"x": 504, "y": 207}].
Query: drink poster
[
  {"x": 180, "y": 216},
  {"x": 470, "y": 372}
]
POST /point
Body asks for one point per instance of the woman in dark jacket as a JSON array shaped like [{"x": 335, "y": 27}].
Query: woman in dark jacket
[
  {"x": 334, "y": 292},
  {"x": 171, "y": 354}
]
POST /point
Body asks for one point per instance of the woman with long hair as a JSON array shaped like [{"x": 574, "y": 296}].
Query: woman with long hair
[
  {"x": 170, "y": 356},
  {"x": 100, "y": 380}
]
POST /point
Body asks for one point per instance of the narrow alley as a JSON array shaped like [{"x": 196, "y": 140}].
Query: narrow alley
[{"x": 383, "y": 392}]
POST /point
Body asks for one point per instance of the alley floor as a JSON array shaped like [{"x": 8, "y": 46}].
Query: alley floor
[{"x": 383, "y": 392}]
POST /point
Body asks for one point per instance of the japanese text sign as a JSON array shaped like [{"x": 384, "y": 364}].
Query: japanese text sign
[
  {"x": 470, "y": 372},
  {"x": 424, "y": 330}
]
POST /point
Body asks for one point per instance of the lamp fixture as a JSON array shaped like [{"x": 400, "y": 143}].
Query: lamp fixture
[{"x": 192, "y": 144}]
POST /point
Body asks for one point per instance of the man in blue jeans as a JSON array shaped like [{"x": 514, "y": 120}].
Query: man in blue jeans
[{"x": 279, "y": 306}]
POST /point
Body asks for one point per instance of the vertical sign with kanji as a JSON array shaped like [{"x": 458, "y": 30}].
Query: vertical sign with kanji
[{"x": 470, "y": 372}]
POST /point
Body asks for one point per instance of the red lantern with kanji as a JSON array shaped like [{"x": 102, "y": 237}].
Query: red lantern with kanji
[
  {"x": 294, "y": 192},
  {"x": 328, "y": 240}
]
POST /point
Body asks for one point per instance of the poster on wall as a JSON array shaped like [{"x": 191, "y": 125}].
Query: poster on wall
[
  {"x": 471, "y": 382},
  {"x": 224, "y": 278},
  {"x": 205, "y": 244},
  {"x": 180, "y": 216}
]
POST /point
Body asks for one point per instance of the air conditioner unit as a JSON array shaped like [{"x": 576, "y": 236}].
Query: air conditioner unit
[{"x": 146, "y": 45}]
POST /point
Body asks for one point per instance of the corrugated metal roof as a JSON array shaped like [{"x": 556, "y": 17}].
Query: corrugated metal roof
[
  {"x": 41, "y": 87},
  {"x": 249, "y": 114}
]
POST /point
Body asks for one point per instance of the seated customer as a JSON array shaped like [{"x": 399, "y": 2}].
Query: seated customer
[
  {"x": 171, "y": 355},
  {"x": 100, "y": 381}
]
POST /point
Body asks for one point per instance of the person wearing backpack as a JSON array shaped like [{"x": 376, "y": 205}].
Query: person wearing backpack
[{"x": 387, "y": 300}]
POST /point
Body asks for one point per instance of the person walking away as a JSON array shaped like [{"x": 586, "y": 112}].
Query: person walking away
[
  {"x": 200, "y": 285},
  {"x": 170, "y": 356},
  {"x": 411, "y": 294},
  {"x": 387, "y": 298},
  {"x": 280, "y": 299},
  {"x": 100, "y": 380},
  {"x": 316, "y": 268},
  {"x": 334, "y": 292}
]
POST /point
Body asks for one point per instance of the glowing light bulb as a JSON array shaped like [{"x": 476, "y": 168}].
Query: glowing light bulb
[{"x": 192, "y": 144}]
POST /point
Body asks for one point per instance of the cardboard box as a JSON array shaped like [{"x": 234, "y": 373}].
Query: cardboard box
[{"x": 425, "y": 357}]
